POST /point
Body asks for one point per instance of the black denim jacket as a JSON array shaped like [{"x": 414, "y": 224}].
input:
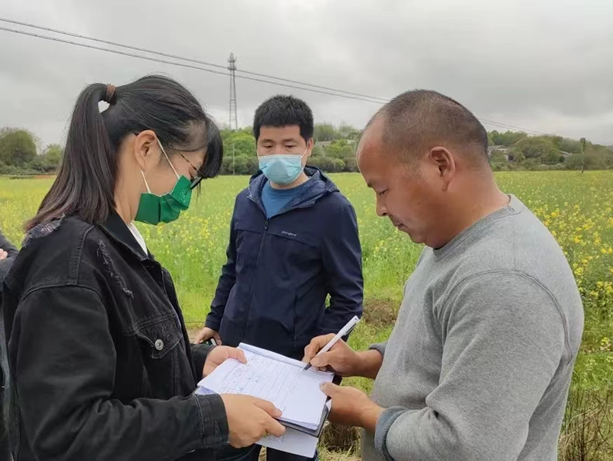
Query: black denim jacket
[{"x": 101, "y": 366}]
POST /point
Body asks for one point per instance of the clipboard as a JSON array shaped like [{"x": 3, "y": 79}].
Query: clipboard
[{"x": 278, "y": 379}]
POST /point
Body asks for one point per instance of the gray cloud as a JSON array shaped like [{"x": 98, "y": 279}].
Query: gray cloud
[{"x": 541, "y": 64}]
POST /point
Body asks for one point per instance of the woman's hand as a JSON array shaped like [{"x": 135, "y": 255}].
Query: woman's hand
[
  {"x": 219, "y": 355},
  {"x": 250, "y": 419}
]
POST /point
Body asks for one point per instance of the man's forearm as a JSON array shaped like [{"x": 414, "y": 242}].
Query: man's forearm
[
  {"x": 369, "y": 364},
  {"x": 369, "y": 417}
]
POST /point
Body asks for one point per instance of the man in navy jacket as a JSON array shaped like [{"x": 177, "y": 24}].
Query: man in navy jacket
[{"x": 293, "y": 241}]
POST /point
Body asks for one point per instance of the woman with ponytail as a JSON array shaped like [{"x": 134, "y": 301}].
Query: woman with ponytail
[{"x": 101, "y": 367}]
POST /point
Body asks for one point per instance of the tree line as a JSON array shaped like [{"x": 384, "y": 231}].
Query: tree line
[
  {"x": 514, "y": 150},
  {"x": 20, "y": 153},
  {"x": 334, "y": 151}
]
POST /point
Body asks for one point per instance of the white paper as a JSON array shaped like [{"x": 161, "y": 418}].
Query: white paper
[
  {"x": 293, "y": 441},
  {"x": 276, "y": 379}
]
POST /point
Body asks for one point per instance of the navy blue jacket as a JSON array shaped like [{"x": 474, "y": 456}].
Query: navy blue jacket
[{"x": 273, "y": 288}]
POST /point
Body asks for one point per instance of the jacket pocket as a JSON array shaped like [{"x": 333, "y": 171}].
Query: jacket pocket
[
  {"x": 161, "y": 337},
  {"x": 310, "y": 307},
  {"x": 248, "y": 242},
  {"x": 161, "y": 348}
]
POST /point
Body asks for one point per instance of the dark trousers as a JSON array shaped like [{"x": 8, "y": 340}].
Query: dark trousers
[{"x": 252, "y": 453}]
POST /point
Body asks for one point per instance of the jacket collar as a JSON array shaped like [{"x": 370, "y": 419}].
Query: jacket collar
[
  {"x": 117, "y": 229},
  {"x": 319, "y": 185}
]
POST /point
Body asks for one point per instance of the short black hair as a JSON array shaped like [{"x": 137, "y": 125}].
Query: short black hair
[
  {"x": 418, "y": 120},
  {"x": 280, "y": 111}
]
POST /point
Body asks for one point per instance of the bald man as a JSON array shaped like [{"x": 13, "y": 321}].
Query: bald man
[{"x": 480, "y": 360}]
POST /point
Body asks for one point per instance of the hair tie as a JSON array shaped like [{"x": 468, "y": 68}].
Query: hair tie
[{"x": 109, "y": 96}]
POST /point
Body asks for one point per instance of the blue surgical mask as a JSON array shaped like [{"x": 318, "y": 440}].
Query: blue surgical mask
[{"x": 282, "y": 169}]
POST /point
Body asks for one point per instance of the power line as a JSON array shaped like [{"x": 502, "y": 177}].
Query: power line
[
  {"x": 514, "y": 127},
  {"x": 147, "y": 58},
  {"x": 93, "y": 47},
  {"x": 182, "y": 58},
  {"x": 375, "y": 98},
  {"x": 313, "y": 88},
  {"x": 108, "y": 42},
  {"x": 498, "y": 126}
]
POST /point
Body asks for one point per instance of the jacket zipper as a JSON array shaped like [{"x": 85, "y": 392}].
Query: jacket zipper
[{"x": 257, "y": 263}]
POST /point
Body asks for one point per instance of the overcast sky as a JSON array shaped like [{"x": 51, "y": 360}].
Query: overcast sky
[{"x": 545, "y": 65}]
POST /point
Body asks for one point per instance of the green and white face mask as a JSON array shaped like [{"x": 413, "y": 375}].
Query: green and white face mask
[{"x": 154, "y": 209}]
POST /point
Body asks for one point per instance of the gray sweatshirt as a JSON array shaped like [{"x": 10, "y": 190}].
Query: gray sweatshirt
[{"x": 479, "y": 363}]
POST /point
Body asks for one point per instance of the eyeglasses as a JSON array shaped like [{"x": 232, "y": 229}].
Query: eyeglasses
[{"x": 198, "y": 178}]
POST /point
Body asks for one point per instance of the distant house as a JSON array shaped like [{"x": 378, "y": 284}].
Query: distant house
[
  {"x": 325, "y": 144},
  {"x": 503, "y": 149}
]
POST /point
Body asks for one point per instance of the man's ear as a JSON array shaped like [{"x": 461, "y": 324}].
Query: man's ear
[
  {"x": 310, "y": 144},
  {"x": 443, "y": 159},
  {"x": 146, "y": 149}
]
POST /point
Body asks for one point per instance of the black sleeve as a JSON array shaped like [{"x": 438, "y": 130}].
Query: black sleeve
[
  {"x": 199, "y": 354},
  {"x": 5, "y": 265},
  {"x": 63, "y": 366},
  {"x": 7, "y": 246}
]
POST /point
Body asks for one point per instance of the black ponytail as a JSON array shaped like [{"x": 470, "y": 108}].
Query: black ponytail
[
  {"x": 214, "y": 153},
  {"x": 85, "y": 185}
]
